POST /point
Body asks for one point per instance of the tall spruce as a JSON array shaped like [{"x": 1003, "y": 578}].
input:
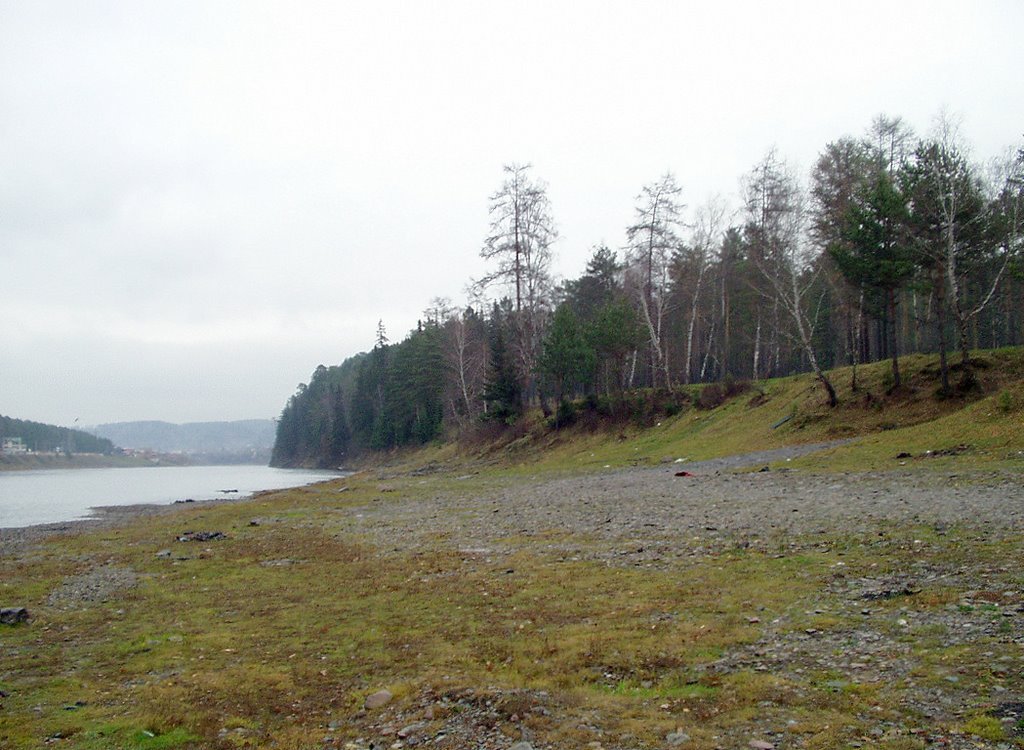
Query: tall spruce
[{"x": 503, "y": 387}]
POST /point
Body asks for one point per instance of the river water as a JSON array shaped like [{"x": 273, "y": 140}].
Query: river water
[{"x": 51, "y": 496}]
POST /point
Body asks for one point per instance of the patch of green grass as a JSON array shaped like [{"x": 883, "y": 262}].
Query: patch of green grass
[
  {"x": 986, "y": 727},
  {"x": 128, "y": 737},
  {"x": 148, "y": 739}
]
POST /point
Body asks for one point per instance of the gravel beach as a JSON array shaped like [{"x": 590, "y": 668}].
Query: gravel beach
[{"x": 719, "y": 501}]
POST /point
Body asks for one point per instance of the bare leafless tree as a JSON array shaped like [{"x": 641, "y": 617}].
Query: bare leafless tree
[
  {"x": 705, "y": 242},
  {"x": 769, "y": 193},
  {"x": 465, "y": 355},
  {"x": 521, "y": 234},
  {"x": 786, "y": 258},
  {"x": 651, "y": 242}
]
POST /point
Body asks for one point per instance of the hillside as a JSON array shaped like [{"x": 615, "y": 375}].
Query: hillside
[
  {"x": 700, "y": 422},
  {"x": 47, "y": 438},
  {"x": 244, "y": 440}
]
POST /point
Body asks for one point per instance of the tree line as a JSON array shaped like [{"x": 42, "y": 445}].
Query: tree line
[{"x": 893, "y": 243}]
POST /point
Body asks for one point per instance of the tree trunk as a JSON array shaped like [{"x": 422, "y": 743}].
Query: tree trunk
[
  {"x": 724, "y": 364},
  {"x": 707, "y": 353},
  {"x": 693, "y": 321},
  {"x": 648, "y": 301},
  {"x": 757, "y": 349},
  {"x": 960, "y": 318},
  {"x": 654, "y": 334},
  {"x": 805, "y": 338},
  {"x": 856, "y": 340},
  {"x": 940, "y": 322},
  {"x": 896, "y": 382},
  {"x": 775, "y": 345}
]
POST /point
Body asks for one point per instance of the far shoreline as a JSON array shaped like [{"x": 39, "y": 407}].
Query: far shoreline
[
  {"x": 44, "y": 461},
  {"x": 49, "y": 461}
]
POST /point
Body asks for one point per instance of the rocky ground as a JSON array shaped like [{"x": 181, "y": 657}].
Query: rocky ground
[
  {"x": 721, "y": 502},
  {"x": 654, "y": 518},
  {"x": 651, "y": 517}
]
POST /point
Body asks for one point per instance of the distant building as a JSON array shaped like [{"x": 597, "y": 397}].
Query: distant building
[{"x": 13, "y": 446}]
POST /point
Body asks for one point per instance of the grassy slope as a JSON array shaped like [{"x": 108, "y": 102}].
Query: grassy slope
[
  {"x": 989, "y": 420},
  {"x": 231, "y": 648}
]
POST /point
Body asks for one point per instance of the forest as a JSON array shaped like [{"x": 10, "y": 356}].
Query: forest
[
  {"x": 47, "y": 438},
  {"x": 891, "y": 244}
]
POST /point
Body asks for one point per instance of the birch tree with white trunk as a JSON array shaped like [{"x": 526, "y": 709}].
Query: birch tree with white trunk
[
  {"x": 705, "y": 243},
  {"x": 788, "y": 260},
  {"x": 652, "y": 240}
]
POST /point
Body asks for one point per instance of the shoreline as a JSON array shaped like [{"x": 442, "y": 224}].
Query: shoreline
[
  {"x": 15, "y": 539},
  {"x": 37, "y": 462},
  {"x": 713, "y": 473},
  {"x": 46, "y": 462}
]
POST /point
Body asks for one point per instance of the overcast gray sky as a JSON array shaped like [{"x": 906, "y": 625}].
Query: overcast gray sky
[{"x": 202, "y": 201}]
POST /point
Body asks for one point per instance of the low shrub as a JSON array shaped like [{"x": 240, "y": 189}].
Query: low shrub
[
  {"x": 1004, "y": 402},
  {"x": 713, "y": 395}
]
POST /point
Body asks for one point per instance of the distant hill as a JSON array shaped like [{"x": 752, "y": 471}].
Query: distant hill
[
  {"x": 48, "y": 438},
  {"x": 248, "y": 440}
]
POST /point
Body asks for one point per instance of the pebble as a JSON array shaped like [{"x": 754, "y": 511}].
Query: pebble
[
  {"x": 677, "y": 738},
  {"x": 411, "y": 729},
  {"x": 96, "y": 585}
]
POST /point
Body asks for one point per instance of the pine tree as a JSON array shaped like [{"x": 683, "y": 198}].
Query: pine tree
[
  {"x": 567, "y": 360},
  {"x": 873, "y": 254},
  {"x": 503, "y": 390}
]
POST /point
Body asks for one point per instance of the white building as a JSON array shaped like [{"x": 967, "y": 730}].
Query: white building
[{"x": 14, "y": 445}]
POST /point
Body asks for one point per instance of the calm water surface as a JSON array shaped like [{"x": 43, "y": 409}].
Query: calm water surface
[{"x": 31, "y": 497}]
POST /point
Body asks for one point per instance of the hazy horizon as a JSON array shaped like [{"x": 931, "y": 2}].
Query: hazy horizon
[{"x": 201, "y": 202}]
